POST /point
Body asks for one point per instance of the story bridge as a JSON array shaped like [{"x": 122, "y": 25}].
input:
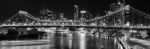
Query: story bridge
[{"x": 124, "y": 16}]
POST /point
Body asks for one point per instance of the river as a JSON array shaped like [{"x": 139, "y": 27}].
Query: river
[{"x": 70, "y": 42}]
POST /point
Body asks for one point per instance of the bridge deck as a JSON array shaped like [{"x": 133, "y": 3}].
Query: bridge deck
[{"x": 89, "y": 26}]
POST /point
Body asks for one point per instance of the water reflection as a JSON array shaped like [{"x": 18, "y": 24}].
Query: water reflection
[{"x": 69, "y": 42}]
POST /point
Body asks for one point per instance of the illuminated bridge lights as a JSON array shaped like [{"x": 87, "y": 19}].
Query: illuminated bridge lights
[{"x": 96, "y": 22}]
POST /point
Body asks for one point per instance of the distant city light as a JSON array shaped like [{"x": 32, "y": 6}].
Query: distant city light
[
  {"x": 127, "y": 7},
  {"x": 128, "y": 24},
  {"x": 83, "y": 11}
]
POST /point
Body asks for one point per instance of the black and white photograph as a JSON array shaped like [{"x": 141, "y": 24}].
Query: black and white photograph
[{"x": 74, "y": 24}]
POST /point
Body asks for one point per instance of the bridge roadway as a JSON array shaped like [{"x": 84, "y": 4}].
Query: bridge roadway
[{"x": 86, "y": 26}]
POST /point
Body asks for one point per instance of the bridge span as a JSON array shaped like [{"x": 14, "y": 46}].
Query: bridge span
[
  {"x": 81, "y": 26},
  {"x": 124, "y": 17}
]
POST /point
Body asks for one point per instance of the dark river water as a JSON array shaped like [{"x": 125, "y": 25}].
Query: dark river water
[{"x": 70, "y": 42}]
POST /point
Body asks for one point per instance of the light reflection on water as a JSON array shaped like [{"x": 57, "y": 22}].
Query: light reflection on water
[
  {"x": 47, "y": 46},
  {"x": 70, "y": 42}
]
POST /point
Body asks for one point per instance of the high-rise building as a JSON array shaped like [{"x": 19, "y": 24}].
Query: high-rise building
[{"x": 76, "y": 14}]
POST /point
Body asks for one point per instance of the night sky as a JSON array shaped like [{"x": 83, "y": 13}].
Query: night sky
[{"x": 9, "y": 7}]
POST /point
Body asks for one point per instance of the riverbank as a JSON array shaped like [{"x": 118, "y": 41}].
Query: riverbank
[{"x": 139, "y": 42}]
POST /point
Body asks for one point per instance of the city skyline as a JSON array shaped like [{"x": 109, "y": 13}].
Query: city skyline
[
  {"x": 74, "y": 24},
  {"x": 9, "y": 8}
]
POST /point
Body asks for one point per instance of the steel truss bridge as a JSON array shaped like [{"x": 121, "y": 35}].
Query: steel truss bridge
[{"x": 123, "y": 17}]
